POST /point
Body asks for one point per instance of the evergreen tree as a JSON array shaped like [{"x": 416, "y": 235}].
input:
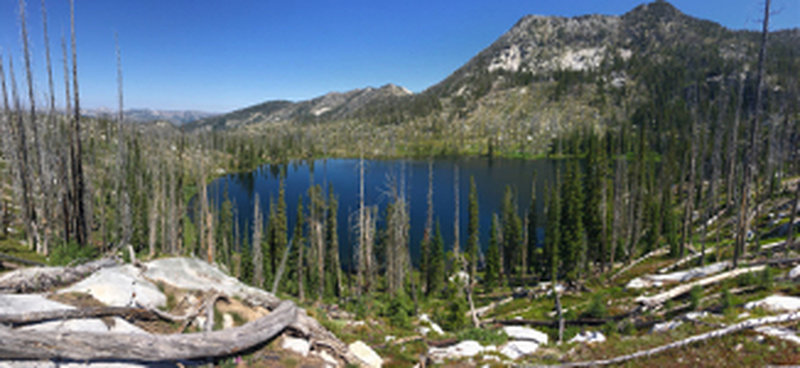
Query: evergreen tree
[
  {"x": 572, "y": 248},
  {"x": 493, "y": 257},
  {"x": 436, "y": 269},
  {"x": 597, "y": 168},
  {"x": 534, "y": 258},
  {"x": 333, "y": 278},
  {"x": 247, "y": 260},
  {"x": 512, "y": 234},
  {"x": 552, "y": 235},
  {"x": 279, "y": 229},
  {"x": 295, "y": 265},
  {"x": 670, "y": 222},
  {"x": 473, "y": 229}
]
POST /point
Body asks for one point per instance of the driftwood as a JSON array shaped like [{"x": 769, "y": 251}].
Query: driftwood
[
  {"x": 677, "y": 291},
  {"x": 17, "y": 260},
  {"x": 85, "y": 346},
  {"x": 657, "y": 252},
  {"x": 20, "y": 319},
  {"x": 751, "y": 323},
  {"x": 480, "y": 312},
  {"x": 45, "y": 278}
]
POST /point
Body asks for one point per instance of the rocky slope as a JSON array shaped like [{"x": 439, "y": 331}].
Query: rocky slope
[{"x": 606, "y": 51}]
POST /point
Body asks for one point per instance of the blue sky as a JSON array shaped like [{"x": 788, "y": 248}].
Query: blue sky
[{"x": 226, "y": 54}]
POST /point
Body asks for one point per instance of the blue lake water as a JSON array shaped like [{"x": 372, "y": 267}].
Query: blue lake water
[{"x": 491, "y": 178}]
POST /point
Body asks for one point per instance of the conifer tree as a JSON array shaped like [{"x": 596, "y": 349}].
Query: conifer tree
[
  {"x": 512, "y": 234},
  {"x": 473, "y": 229},
  {"x": 595, "y": 187},
  {"x": 572, "y": 234},
  {"x": 296, "y": 272},
  {"x": 436, "y": 270},
  {"x": 279, "y": 228},
  {"x": 534, "y": 258},
  {"x": 493, "y": 257},
  {"x": 333, "y": 280},
  {"x": 552, "y": 235}
]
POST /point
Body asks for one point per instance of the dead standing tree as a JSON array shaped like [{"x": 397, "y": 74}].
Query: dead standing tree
[{"x": 750, "y": 167}]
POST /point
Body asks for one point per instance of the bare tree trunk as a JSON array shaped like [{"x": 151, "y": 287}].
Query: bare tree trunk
[
  {"x": 792, "y": 219},
  {"x": 751, "y": 168},
  {"x": 81, "y": 217},
  {"x": 733, "y": 143},
  {"x": 50, "y": 195},
  {"x": 258, "y": 259},
  {"x": 686, "y": 237}
]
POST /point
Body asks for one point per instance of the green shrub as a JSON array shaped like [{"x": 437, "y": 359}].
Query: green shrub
[
  {"x": 597, "y": 307},
  {"x": 765, "y": 279},
  {"x": 694, "y": 297},
  {"x": 727, "y": 302},
  {"x": 484, "y": 336},
  {"x": 398, "y": 310},
  {"x": 72, "y": 252},
  {"x": 453, "y": 317}
]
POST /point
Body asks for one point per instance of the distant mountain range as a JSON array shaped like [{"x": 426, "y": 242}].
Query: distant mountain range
[
  {"x": 176, "y": 117},
  {"x": 536, "y": 63}
]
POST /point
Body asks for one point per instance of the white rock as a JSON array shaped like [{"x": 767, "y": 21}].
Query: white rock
[
  {"x": 195, "y": 274},
  {"x": 388, "y": 338},
  {"x": 776, "y": 303},
  {"x": 666, "y": 326},
  {"x": 327, "y": 358},
  {"x": 464, "y": 349},
  {"x": 296, "y": 345},
  {"x": 227, "y": 321},
  {"x": 781, "y": 333},
  {"x": 433, "y": 325},
  {"x": 365, "y": 353},
  {"x": 589, "y": 337},
  {"x": 517, "y": 349},
  {"x": 794, "y": 273},
  {"x": 526, "y": 333},
  {"x": 120, "y": 286},
  {"x": 423, "y": 330}
]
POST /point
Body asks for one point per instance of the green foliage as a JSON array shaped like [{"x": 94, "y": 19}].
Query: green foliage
[
  {"x": 766, "y": 279},
  {"x": 695, "y": 294},
  {"x": 597, "y": 307},
  {"x": 332, "y": 267},
  {"x": 552, "y": 236},
  {"x": 534, "y": 261},
  {"x": 71, "y": 253},
  {"x": 512, "y": 233},
  {"x": 453, "y": 317},
  {"x": 473, "y": 228},
  {"x": 572, "y": 235},
  {"x": 399, "y": 310},
  {"x": 484, "y": 336},
  {"x": 727, "y": 303},
  {"x": 492, "y": 276},
  {"x": 436, "y": 268}
]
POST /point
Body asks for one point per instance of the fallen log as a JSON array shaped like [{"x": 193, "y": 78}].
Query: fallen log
[
  {"x": 480, "y": 312},
  {"x": 751, "y": 323},
  {"x": 17, "y": 260},
  {"x": 657, "y": 252},
  {"x": 87, "y": 346},
  {"x": 660, "y": 298},
  {"x": 684, "y": 260},
  {"x": 21, "y": 319},
  {"x": 45, "y": 278}
]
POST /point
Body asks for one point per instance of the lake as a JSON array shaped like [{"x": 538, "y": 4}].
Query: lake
[{"x": 491, "y": 178}]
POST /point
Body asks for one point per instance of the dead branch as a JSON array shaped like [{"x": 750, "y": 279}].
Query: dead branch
[
  {"x": 660, "y": 298},
  {"x": 17, "y": 260},
  {"x": 657, "y": 252},
  {"x": 86, "y": 346},
  {"x": 751, "y": 323},
  {"x": 45, "y": 278},
  {"x": 21, "y": 319}
]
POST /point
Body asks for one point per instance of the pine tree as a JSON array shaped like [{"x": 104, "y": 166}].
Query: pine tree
[
  {"x": 512, "y": 234},
  {"x": 246, "y": 261},
  {"x": 333, "y": 280},
  {"x": 295, "y": 273},
  {"x": 572, "y": 247},
  {"x": 552, "y": 238},
  {"x": 278, "y": 229},
  {"x": 436, "y": 271},
  {"x": 258, "y": 256},
  {"x": 595, "y": 187},
  {"x": 534, "y": 258},
  {"x": 493, "y": 257},
  {"x": 670, "y": 222},
  {"x": 473, "y": 229}
]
